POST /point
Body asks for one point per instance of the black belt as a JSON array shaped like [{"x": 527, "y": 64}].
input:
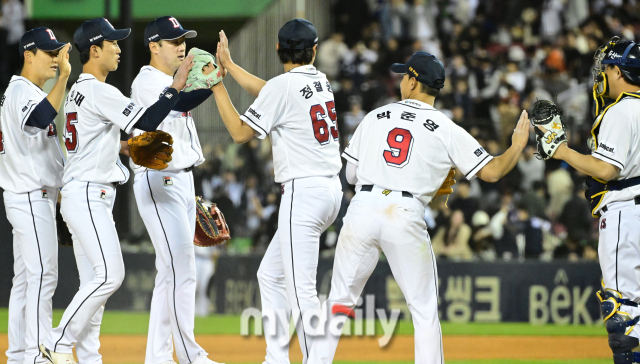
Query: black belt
[
  {"x": 369, "y": 188},
  {"x": 189, "y": 169},
  {"x": 635, "y": 199}
]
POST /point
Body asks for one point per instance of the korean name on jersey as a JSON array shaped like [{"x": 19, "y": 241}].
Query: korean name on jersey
[
  {"x": 297, "y": 111},
  {"x": 30, "y": 158},
  {"x": 410, "y": 146}
]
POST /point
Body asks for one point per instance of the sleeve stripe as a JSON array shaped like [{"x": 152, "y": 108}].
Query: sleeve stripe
[
  {"x": 26, "y": 116},
  {"x": 350, "y": 156},
  {"x": 618, "y": 164},
  {"x": 477, "y": 165},
  {"x": 244, "y": 116},
  {"x": 135, "y": 118}
]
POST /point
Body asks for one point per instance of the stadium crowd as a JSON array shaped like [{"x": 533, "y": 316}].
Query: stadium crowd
[{"x": 500, "y": 56}]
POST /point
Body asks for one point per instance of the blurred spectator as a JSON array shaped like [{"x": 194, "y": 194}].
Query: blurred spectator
[
  {"x": 531, "y": 228},
  {"x": 355, "y": 115},
  {"x": 12, "y": 22},
  {"x": 481, "y": 236},
  {"x": 452, "y": 241},
  {"x": 534, "y": 200},
  {"x": 560, "y": 187},
  {"x": 576, "y": 217},
  {"x": 463, "y": 202},
  {"x": 532, "y": 168},
  {"x": 330, "y": 54}
]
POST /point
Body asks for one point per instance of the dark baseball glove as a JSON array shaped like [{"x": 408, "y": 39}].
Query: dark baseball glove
[
  {"x": 545, "y": 114},
  {"x": 151, "y": 149},
  {"x": 64, "y": 235},
  {"x": 211, "y": 227}
]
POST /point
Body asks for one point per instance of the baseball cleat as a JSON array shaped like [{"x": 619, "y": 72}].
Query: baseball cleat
[
  {"x": 57, "y": 358},
  {"x": 203, "y": 359}
]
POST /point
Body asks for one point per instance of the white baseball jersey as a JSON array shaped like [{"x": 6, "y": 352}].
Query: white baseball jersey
[
  {"x": 410, "y": 146},
  {"x": 30, "y": 158},
  {"x": 95, "y": 113},
  {"x": 146, "y": 90},
  {"x": 619, "y": 145},
  {"x": 297, "y": 111}
]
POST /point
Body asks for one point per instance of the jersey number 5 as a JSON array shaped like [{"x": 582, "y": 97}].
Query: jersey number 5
[
  {"x": 70, "y": 132},
  {"x": 400, "y": 143},
  {"x": 321, "y": 129}
]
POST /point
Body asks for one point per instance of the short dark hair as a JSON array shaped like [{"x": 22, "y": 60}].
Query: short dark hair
[
  {"x": 431, "y": 91},
  {"x": 85, "y": 55},
  {"x": 296, "y": 56}
]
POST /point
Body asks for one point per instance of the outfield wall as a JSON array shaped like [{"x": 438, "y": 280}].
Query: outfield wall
[{"x": 536, "y": 292}]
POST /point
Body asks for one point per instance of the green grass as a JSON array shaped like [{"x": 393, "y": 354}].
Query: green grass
[{"x": 136, "y": 323}]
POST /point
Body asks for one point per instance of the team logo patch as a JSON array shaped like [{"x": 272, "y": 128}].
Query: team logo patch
[
  {"x": 44, "y": 193},
  {"x": 603, "y": 224},
  {"x": 386, "y": 192},
  {"x": 551, "y": 138},
  {"x": 478, "y": 152},
  {"x": 127, "y": 110},
  {"x": 167, "y": 181},
  {"x": 103, "y": 194}
]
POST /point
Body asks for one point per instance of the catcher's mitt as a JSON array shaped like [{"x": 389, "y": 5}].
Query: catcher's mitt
[
  {"x": 152, "y": 149},
  {"x": 211, "y": 227},
  {"x": 447, "y": 185},
  {"x": 546, "y": 114},
  {"x": 197, "y": 80},
  {"x": 64, "y": 235}
]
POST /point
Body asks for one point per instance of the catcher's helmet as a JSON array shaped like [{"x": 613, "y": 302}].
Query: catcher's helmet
[{"x": 625, "y": 55}]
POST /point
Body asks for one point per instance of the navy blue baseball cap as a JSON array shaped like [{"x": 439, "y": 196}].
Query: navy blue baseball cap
[
  {"x": 167, "y": 28},
  {"x": 425, "y": 67},
  {"x": 40, "y": 38},
  {"x": 297, "y": 34},
  {"x": 95, "y": 31}
]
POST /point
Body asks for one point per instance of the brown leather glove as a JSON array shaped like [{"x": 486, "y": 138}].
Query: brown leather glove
[
  {"x": 447, "y": 185},
  {"x": 151, "y": 149},
  {"x": 211, "y": 227}
]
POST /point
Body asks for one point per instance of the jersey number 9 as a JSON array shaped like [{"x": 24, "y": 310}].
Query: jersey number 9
[
  {"x": 70, "y": 132},
  {"x": 400, "y": 143},
  {"x": 321, "y": 129}
]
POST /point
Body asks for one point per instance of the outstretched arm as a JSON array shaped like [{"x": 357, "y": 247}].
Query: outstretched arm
[
  {"x": 239, "y": 130},
  {"x": 249, "y": 82},
  {"x": 586, "y": 164},
  {"x": 499, "y": 166}
]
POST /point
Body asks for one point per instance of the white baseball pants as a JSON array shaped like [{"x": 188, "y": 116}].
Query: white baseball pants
[
  {"x": 166, "y": 201},
  {"x": 86, "y": 207},
  {"x": 287, "y": 273},
  {"x": 35, "y": 250},
  {"x": 394, "y": 225},
  {"x": 619, "y": 252}
]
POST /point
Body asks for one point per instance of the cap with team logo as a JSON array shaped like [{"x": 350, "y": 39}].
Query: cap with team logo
[
  {"x": 96, "y": 30},
  {"x": 297, "y": 34},
  {"x": 40, "y": 38},
  {"x": 167, "y": 28},
  {"x": 425, "y": 67}
]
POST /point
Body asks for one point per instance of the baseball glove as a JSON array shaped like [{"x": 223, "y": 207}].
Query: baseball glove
[
  {"x": 546, "y": 114},
  {"x": 152, "y": 149},
  {"x": 211, "y": 227},
  {"x": 64, "y": 235},
  {"x": 447, "y": 185},
  {"x": 197, "y": 80}
]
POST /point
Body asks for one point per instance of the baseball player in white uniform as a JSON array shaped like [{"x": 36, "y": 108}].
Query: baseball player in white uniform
[
  {"x": 296, "y": 110},
  {"x": 31, "y": 165},
  {"x": 398, "y": 158},
  {"x": 95, "y": 113},
  {"x": 614, "y": 167},
  {"x": 166, "y": 199}
]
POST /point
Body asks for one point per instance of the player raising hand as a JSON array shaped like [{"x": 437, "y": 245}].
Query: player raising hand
[
  {"x": 31, "y": 165},
  {"x": 95, "y": 114}
]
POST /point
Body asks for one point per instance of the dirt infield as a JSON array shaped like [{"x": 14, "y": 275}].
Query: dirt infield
[{"x": 120, "y": 349}]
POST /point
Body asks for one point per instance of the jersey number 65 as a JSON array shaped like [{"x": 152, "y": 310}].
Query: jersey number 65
[{"x": 320, "y": 127}]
